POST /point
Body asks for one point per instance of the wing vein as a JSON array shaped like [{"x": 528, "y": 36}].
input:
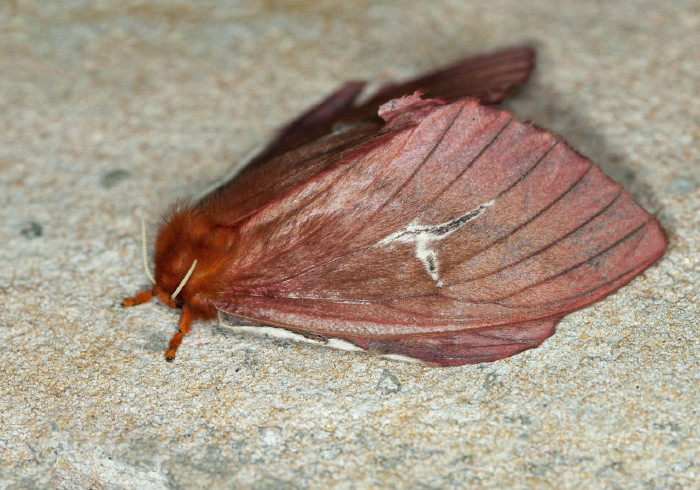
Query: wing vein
[
  {"x": 538, "y": 213},
  {"x": 549, "y": 245},
  {"x": 419, "y": 166},
  {"x": 372, "y": 215},
  {"x": 365, "y": 247},
  {"x": 569, "y": 269}
]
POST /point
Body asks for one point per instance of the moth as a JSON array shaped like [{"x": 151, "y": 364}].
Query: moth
[{"x": 423, "y": 224}]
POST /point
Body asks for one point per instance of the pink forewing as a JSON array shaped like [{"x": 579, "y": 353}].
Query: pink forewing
[{"x": 555, "y": 234}]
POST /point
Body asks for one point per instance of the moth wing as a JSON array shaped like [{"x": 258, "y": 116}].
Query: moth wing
[
  {"x": 258, "y": 186},
  {"x": 462, "y": 219},
  {"x": 487, "y": 77},
  {"x": 452, "y": 349},
  {"x": 468, "y": 347},
  {"x": 314, "y": 123}
]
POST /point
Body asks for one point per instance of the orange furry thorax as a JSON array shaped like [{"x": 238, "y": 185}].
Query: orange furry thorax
[{"x": 188, "y": 234}]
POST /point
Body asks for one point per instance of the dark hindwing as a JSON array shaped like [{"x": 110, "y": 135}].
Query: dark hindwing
[{"x": 331, "y": 128}]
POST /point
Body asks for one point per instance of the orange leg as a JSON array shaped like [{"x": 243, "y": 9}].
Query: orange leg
[
  {"x": 142, "y": 297},
  {"x": 183, "y": 328}
]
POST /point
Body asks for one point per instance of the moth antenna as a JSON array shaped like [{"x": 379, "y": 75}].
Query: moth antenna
[
  {"x": 144, "y": 249},
  {"x": 184, "y": 280}
]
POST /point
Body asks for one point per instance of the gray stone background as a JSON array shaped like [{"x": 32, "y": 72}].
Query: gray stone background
[{"x": 114, "y": 105}]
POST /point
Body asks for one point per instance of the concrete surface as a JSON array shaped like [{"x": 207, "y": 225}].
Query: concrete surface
[{"x": 107, "y": 106}]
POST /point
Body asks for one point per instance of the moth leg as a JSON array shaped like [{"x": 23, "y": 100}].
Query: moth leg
[
  {"x": 142, "y": 297},
  {"x": 183, "y": 328}
]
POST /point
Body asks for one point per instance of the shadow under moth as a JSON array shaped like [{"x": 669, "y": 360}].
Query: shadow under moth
[{"x": 423, "y": 224}]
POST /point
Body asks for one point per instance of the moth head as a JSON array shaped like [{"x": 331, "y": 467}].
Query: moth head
[{"x": 190, "y": 261}]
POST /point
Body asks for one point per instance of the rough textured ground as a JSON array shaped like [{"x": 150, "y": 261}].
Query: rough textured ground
[{"x": 108, "y": 106}]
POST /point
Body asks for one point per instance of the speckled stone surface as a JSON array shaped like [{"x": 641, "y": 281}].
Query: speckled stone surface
[{"x": 107, "y": 106}]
